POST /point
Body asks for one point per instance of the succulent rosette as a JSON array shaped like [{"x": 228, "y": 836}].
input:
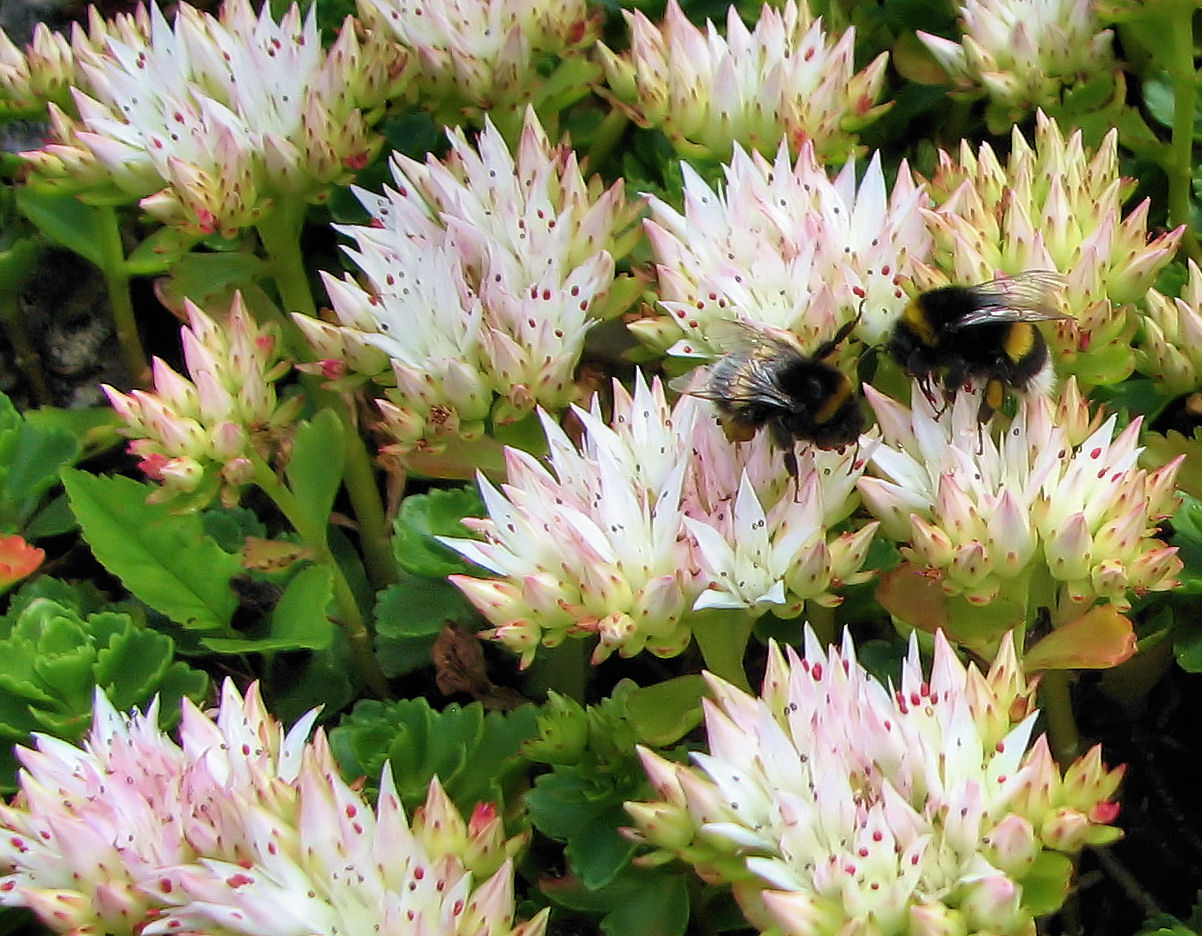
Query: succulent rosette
[
  {"x": 785, "y": 82},
  {"x": 1053, "y": 206},
  {"x": 1054, "y": 494},
  {"x": 783, "y": 244},
  {"x": 484, "y": 274},
  {"x": 1024, "y": 53},
  {"x": 924, "y": 809},
  {"x": 240, "y": 828},
  {"x": 652, "y": 520},
  {"x": 207, "y": 124}
]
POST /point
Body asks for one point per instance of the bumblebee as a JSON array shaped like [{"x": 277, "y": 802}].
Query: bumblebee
[
  {"x": 982, "y": 335},
  {"x": 767, "y": 379}
]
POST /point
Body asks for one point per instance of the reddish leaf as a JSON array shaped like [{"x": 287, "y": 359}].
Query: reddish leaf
[
  {"x": 17, "y": 559},
  {"x": 1099, "y": 639},
  {"x": 914, "y": 596}
]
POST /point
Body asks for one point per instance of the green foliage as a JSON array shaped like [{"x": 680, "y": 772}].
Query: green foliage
[
  {"x": 162, "y": 557},
  {"x": 1186, "y": 524},
  {"x": 314, "y": 471},
  {"x": 650, "y": 902},
  {"x": 1168, "y": 925},
  {"x": 297, "y": 622},
  {"x": 55, "y": 651},
  {"x": 86, "y": 230},
  {"x": 595, "y": 770},
  {"x": 410, "y": 615},
  {"x": 474, "y": 754},
  {"x": 425, "y": 516},
  {"x": 33, "y": 451},
  {"x": 1187, "y": 537}
]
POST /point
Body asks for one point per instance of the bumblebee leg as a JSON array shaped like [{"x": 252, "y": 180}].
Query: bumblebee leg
[
  {"x": 927, "y": 387},
  {"x": 827, "y": 348},
  {"x": 992, "y": 397}
]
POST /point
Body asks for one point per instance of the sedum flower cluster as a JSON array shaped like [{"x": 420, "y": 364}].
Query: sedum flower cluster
[
  {"x": 785, "y": 245},
  {"x": 785, "y": 82},
  {"x": 200, "y": 436},
  {"x": 1053, "y": 206},
  {"x": 209, "y": 123},
  {"x": 926, "y": 810},
  {"x": 42, "y": 72},
  {"x": 1023, "y": 53},
  {"x": 482, "y": 275},
  {"x": 1170, "y": 345},
  {"x": 241, "y": 828},
  {"x": 1054, "y": 495},
  {"x": 469, "y": 57},
  {"x": 653, "y": 518}
]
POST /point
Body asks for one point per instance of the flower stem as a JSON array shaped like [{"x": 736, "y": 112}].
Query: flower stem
[
  {"x": 360, "y": 480},
  {"x": 280, "y": 233},
  {"x": 722, "y": 636},
  {"x": 1180, "y": 40},
  {"x": 1057, "y": 704},
  {"x": 314, "y": 537},
  {"x": 116, "y": 283}
]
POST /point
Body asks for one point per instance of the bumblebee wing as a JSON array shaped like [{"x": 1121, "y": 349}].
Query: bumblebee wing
[
  {"x": 755, "y": 354},
  {"x": 1024, "y": 297},
  {"x": 752, "y": 383},
  {"x": 736, "y": 336}
]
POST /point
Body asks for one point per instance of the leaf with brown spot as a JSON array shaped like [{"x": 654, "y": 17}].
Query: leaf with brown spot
[{"x": 264, "y": 555}]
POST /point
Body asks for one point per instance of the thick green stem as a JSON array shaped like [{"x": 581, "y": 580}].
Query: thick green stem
[
  {"x": 722, "y": 636},
  {"x": 314, "y": 537},
  {"x": 116, "y": 283},
  {"x": 280, "y": 234},
  {"x": 374, "y": 537},
  {"x": 1057, "y": 704},
  {"x": 1180, "y": 39}
]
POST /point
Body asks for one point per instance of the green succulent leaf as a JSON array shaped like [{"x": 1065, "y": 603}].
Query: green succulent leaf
[
  {"x": 1045, "y": 885},
  {"x": 638, "y": 903},
  {"x": 162, "y": 557},
  {"x": 409, "y": 617},
  {"x": 570, "y": 805},
  {"x": 315, "y": 469},
  {"x": 665, "y": 712},
  {"x": 87, "y": 230},
  {"x": 53, "y": 658},
  {"x": 580, "y": 802},
  {"x": 425, "y": 516},
  {"x": 473, "y": 753}
]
